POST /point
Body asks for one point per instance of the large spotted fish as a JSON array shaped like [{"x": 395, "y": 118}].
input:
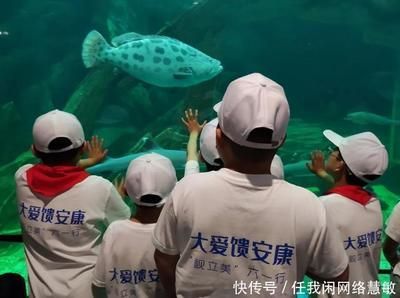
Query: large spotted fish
[{"x": 157, "y": 60}]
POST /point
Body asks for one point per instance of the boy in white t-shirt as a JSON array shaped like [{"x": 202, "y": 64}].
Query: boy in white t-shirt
[
  {"x": 208, "y": 148},
  {"x": 224, "y": 231},
  {"x": 62, "y": 209},
  {"x": 356, "y": 161},
  {"x": 126, "y": 267}
]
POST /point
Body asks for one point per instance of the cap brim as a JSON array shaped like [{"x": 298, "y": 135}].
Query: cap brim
[
  {"x": 332, "y": 136},
  {"x": 217, "y": 106}
]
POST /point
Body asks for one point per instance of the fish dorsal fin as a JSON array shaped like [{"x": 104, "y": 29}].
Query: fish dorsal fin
[{"x": 125, "y": 38}]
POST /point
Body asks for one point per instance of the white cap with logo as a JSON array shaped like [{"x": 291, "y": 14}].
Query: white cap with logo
[
  {"x": 150, "y": 174},
  {"x": 250, "y": 102},
  {"x": 363, "y": 153},
  {"x": 208, "y": 143},
  {"x": 56, "y": 124}
]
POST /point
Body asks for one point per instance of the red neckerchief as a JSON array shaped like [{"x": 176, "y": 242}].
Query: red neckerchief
[
  {"x": 51, "y": 181},
  {"x": 352, "y": 192}
]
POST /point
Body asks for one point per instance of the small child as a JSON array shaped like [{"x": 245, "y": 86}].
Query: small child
[
  {"x": 357, "y": 161},
  {"x": 208, "y": 150},
  {"x": 208, "y": 147},
  {"x": 62, "y": 208},
  {"x": 126, "y": 267}
]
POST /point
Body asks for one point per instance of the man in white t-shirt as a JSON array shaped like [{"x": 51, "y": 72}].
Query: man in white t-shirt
[
  {"x": 356, "y": 161},
  {"x": 62, "y": 210},
  {"x": 225, "y": 231},
  {"x": 126, "y": 267}
]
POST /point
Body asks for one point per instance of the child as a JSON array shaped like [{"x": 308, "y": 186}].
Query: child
[
  {"x": 208, "y": 151},
  {"x": 240, "y": 225},
  {"x": 126, "y": 265},
  {"x": 355, "y": 162},
  {"x": 208, "y": 148},
  {"x": 62, "y": 209}
]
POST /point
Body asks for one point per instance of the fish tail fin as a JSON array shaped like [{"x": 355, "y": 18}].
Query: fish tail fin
[{"x": 92, "y": 46}]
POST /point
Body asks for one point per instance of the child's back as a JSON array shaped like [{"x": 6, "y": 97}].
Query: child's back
[
  {"x": 126, "y": 266},
  {"x": 63, "y": 211}
]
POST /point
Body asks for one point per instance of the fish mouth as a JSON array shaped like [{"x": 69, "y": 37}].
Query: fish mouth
[{"x": 217, "y": 70}]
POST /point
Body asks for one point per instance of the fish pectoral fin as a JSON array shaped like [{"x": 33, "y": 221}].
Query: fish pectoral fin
[
  {"x": 183, "y": 73},
  {"x": 125, "y": 38}
]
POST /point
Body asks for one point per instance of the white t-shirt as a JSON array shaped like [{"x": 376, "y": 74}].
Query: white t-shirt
[
  {"x": 360, "y": 228},
  {"x": 192, "y": 167},
  {"x": 62, "y": 237},
  {"x": 393, "y": 231},
  {"x": 230, "y": 227},
  {"x": 126, "y": 266}
]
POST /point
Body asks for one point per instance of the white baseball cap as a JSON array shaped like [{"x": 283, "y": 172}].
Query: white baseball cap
[
  {"x": 277, "y": 167},
  {"x": 208, "y": 143},
  {"x": 250, "y": 102},
  {"x": 150, "y": 174},
  {"x": 56, "y": 124},
  {"x": 363, "y": 153}
]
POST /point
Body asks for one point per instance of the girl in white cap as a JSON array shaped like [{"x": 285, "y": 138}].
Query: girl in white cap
[
  {"x": 126, "y": 267},
  {"x": 356, "y": 161}
]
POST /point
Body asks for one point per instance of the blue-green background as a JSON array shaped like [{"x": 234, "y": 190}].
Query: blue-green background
[{"x": 333, "y": 57}]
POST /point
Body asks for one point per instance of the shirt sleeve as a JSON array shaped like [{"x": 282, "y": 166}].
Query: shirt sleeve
[
  {"x": 328, "y": 257},
  {"x": 99, "y": 272},
  {"x": 165, "y": 232},
  {"x": 192, "y": 167},
  {"x": 393, "y": 224},
  {"x": 116, "y": 207}
]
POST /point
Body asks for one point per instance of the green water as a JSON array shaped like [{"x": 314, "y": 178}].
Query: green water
[{"x": 333, "y": 58}]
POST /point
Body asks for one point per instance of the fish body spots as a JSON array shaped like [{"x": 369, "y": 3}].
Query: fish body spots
[
  {"x": 138, "y": 57},
  {"x": 179, "y": 59},
  {"x": 124, "y": 56},
  {"x": 167, "y": 61},
  {"x": 184, "y": 52},
  {"x": 175, "y": 48},
  {"x": 156, "y": 59},
  {"x": 159, "y": 50}
]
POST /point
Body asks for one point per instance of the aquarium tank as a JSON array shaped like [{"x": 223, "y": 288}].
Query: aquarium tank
[{"x": 337, "y": 60}]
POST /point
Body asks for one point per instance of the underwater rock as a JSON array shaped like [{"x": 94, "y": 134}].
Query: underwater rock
[
  {"x": 64, "y": 76},
  {"x": 117, "y": 139},
  {"x": 34, "y": 101},
  {"x": 12, "y": 129},
  {"x": 87, "y": 100},
  {"x": 138, "y": 98}
]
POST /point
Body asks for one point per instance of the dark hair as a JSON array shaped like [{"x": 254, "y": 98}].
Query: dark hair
[
  {"x": 211, "y": 167},
  {"x": 58, "y": 158},
  {"x": 257, "y": 135},
  {"x": 353, "y": 179},
  {"x": 150, "y": 199}
]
